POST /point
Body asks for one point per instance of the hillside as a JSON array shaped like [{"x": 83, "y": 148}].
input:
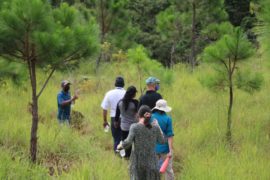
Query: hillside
[{"x": 199, "y": 120}]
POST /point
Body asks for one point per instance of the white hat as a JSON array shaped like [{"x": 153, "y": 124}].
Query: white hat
[{"x": 162, "y": 106}]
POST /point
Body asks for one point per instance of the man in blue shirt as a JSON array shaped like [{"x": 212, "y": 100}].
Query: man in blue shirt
[
  {"x": 165, "y": 122},
  {"x": 64, "y": 101}
]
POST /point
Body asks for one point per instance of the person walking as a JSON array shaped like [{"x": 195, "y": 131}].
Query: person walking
[
  {"x": 127, "y": 108},
  {"x": 143, "y": 137},
  {"x": 64, "y": 101},
  {"x": 151, "y": 96},
  {"x": 165, "y": 123},
  {"x": 109, "y": 103}
]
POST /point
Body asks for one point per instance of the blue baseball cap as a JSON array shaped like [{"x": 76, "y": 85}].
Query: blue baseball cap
[{"x": 152, "y": 80}]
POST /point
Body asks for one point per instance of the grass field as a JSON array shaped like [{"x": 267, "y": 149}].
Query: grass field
[{"x": 199, "y": 120}]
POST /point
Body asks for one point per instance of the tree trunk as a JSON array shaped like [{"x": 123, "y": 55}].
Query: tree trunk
[
  {"x": 98, "y": 61},
  {"x": 193, "y": 40},
  {"x": 33, "y": 140},
  {"x": 229, "y": 123},
  {"x": 171, "y": 54},
  {"x": 102, "y": 30},
  {"x": 140, "y": 78}
]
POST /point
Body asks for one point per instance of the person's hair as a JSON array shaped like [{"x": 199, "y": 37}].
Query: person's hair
[
  {"x": 142, "y": 111},
  {"x": 119, "y": 82},
  {"x": 158, "y": 111},
  {"x": 129, "y": 95}
]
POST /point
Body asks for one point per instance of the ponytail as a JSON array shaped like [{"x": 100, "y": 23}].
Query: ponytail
[
  {"x": 145, "y": 112},
  {"x": 129, "y": 95}
]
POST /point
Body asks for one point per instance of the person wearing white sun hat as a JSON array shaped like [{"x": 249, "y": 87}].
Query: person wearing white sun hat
[{"x": 165, "y": 122}]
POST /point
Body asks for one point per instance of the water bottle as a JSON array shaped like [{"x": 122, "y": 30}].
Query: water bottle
[
  {"x": 122, "y": 153},
  {"x": 107, "y": 128}
]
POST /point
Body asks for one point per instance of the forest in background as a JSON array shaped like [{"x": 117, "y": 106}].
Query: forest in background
[{"x": 211, "y": 57}]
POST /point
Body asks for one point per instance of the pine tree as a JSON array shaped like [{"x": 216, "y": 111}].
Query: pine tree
[
  {"x": 34, "y": 33},
  {"x": 226, "y": 54}
]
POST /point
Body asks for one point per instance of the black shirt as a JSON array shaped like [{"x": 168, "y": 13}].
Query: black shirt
[{"x": 150, "y": 98}]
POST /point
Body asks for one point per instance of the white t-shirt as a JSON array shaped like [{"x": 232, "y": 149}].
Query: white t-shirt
[{"x": 111, "y": 99}]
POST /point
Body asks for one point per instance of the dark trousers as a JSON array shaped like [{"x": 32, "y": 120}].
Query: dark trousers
[
  {"x": 116, "y": 134},
  {"x": 124, "y": 135}
]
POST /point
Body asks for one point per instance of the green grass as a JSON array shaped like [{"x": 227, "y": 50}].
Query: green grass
[{"x": 199, "y": 120}]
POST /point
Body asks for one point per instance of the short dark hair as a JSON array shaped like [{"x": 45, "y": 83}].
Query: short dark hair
[{"x": 119, "y": 82}]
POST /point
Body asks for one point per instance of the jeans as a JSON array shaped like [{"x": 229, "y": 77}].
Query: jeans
[
  {"x": 116, "y": 134},
  {"x": 124, "y": 135},
  {"x": 64, "y": 121}
]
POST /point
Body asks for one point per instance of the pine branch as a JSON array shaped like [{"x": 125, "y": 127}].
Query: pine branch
[
  {"x": 46, "y": 82},
  {"x": 12, "y": 59}
]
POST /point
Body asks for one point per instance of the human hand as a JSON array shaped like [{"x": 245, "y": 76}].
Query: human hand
[
  {"x": 169, "y": 154},
  {"x": 74, "y": 98},
  {"x": 105, "y": 123},
  {"x": 155, "y": 122},
  {"x": 120, "y": 146}
]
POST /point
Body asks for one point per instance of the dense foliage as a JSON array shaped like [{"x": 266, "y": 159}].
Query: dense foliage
[
  {"x": 33, "y": 33},
  {"x": 224, "y": 42}
]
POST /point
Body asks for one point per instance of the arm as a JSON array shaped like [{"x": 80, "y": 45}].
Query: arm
[
  {"x": 62, "y": 102},
  {"x": 136, "y": 103},
  {"x": 160, "y": 136},
  {"x": 105, "y": 122},
  {"x": 105, "y": 106},
  {"x": 170, "y": 135},
  {"x": 170, "y": 142},
  {"x": 117, "y": 116},
  {"x": 140, "y": 102},
  {"x": 68, "y": 102},
  {"x": 131, "y": 136}
]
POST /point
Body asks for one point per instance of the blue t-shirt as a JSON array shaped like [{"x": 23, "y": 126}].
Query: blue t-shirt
[
  {"x": 165, "y": 123},
  {"x": 63, "y": 111}
]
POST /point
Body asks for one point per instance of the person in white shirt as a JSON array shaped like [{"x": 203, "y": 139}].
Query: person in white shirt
[{"x": 109, "y": 103}]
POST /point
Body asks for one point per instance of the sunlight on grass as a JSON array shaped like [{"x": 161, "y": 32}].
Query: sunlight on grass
[{"x": 199, "y": 118}]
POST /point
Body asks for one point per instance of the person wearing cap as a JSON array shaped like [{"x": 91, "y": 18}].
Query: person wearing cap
[
  {"x": 127, "y": 108},
  {"x": 64, "y": 101},
  {"x": 109, "y": 103},
  {"x": 165, "y": 122},
  {"x": 151, "y": 96}
]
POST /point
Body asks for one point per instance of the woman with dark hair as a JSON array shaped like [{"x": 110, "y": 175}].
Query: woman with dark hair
[
  {"x": 143, "y": 137},
  {"x": 127, "y": 109}
]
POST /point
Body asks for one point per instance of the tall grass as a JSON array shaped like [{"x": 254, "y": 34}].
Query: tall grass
[{"x": 199, "y": 120}]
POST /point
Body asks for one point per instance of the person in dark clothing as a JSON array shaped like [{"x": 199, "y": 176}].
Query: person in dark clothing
[
  {"x": 127, "y": 108},
  {"x": 151, "y": 96}
]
